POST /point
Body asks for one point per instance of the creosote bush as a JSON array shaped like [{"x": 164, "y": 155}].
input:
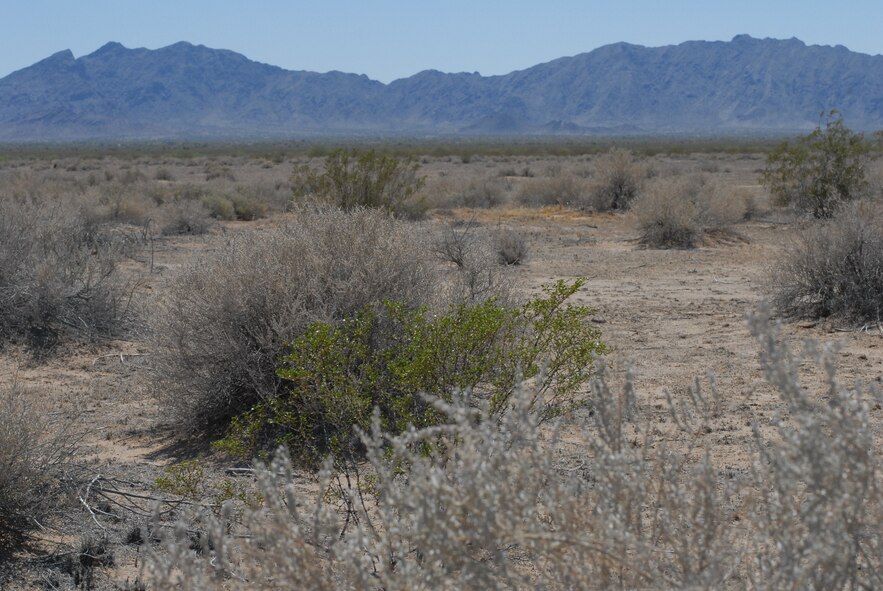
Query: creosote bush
[
  {"x": 834, "y": 268},
  {"x": 394, "y": 359},
  {"x": 677, "y": 212},
  {"x": 350, "y": 179},
  {"x": 494, "y": 507},
  {"x": 819, "y": 171},
  {"x": 221, "y": 331}
]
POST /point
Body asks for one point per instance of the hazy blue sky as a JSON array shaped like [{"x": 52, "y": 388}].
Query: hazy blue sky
[{"x": 388, "y": 39}]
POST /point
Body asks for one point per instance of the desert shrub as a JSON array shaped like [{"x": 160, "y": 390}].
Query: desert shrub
[
  {"x": 58, "y": 274},
  {"x": 185, "y": 217},
  {"x": 618, "y": 180},
  {"x": 227, "y": 318},
  {"x": 564, "y": 189},
  {"x": 273, "y": 196},
  {"x": 511, "y": 246},
  {"x": 476, "y": 274},
  {"x": 457, "y": 241},
  {"x": 220, "y": 207},
  {"x": 819, "y": 171},
  {"x": 350, "y": 179},
  {"x": 131, "y": 176},
  {"x": 479, "y": 193},
  {"x": 215, "y": 170},
  {"x": 93, "y": 553},
  {"x": 163, "y": 174},
  {"x": 497, "y": 507},
  {"x": 834, "y": 268},
  {"x": 128, "y": 204},
  {"x": 35, "y": 449},
  {"x": 385, "y": 358},
  {"x": 677, "y": 212},
  {"x": 248, "y": 206}
]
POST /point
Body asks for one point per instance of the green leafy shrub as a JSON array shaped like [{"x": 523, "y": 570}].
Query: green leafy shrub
[
  {"x": 335, "y": 375},
  {"x": 820, "y": 170},
  {"x": 350, "y": 179}
]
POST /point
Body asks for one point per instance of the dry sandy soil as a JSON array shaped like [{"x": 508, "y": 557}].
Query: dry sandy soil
[{"x": 670, "y": 315}]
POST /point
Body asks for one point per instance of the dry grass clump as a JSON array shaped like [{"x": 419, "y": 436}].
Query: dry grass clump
[
  {"x": 678, "y": 212},
  {"x": 35, "y": 449},
  {"x": 479, "y": 503},
  {"x": 835, "y": 268},
  {"x": 223, "y": 327},
  {"x": 58, "y": 272}
]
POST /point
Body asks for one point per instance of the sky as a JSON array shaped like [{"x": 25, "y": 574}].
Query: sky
[{"x": 389, "y": 39}]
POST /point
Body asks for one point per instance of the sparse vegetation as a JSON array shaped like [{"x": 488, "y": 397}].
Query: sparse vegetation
[
  {"x": 58, "y": 273},
  {"x": 563, "y": 189},
  {"x": 835, "y": 268},
  {"x": 350, "y": 179},
  {"x": 677, "y": 212},
  {"x": 628, "y": 481},
  {"x": 511, "y": 246},
  {"x": 472, "y": 512},
  {"x": 821, "y": 170},
  {"x": 227, "y": 318},
  {"x": 618, "y": 180},
  {"x": 35, "y": 451}
]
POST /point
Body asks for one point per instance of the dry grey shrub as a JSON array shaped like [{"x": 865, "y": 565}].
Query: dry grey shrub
[
  {"x": 184, "y": 217},
  {"x": 511, "y": 246},
  {"x": 677, "y": 212},
  {"x": 834, "y": 267},
  {"x": 125, "y": 203},
  {"x": 563, "y": 189},
  {"x": 618, "y": 180},
  {"x": 219, "y": 334},
  {"x": 494, "y": 507},
  {"x": 36, "y": 446},
  {"x": 476, "y": 273},
  {"x": 479, "y": 193},
  {"x": 58, "y": 272}
]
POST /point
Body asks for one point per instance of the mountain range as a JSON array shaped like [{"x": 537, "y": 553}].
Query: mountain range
[{"x": 742, "y": 86}]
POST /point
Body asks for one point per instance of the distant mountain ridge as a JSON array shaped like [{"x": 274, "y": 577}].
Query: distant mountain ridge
[{"x": 746, "y": 85}]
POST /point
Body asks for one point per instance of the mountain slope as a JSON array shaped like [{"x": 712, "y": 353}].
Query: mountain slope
[{"x": 744, "y": 85}]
